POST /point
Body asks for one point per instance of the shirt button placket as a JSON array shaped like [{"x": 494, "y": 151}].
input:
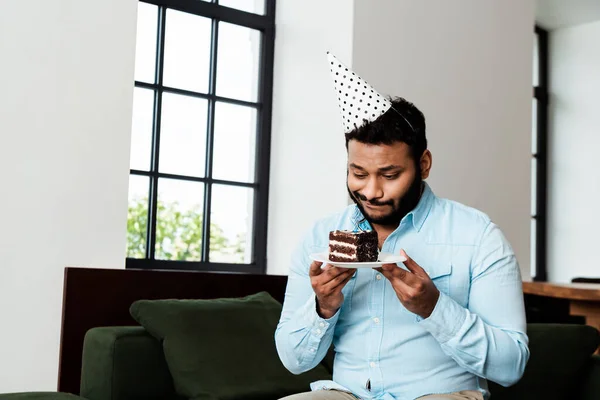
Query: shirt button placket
[{"x": 376, "y": 330}]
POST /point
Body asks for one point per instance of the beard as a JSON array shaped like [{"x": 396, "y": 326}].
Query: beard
[{"x": 399, "y": 208}]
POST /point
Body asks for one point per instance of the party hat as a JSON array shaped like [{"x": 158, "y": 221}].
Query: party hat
[{"x": 358, "y": 101}]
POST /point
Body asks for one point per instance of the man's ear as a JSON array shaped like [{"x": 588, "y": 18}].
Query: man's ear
[{"x": 425, "y": 163}]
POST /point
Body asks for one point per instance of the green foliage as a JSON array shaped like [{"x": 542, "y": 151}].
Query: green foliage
[{"x": 178, "y": 234}]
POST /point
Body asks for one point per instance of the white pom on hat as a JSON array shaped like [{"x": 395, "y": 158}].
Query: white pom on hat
[{"x": 358, "y": 101}]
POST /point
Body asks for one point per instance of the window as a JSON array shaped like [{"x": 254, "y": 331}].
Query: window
[
  {"x": 539, "y": 138},
  {"x": 201, "y": 135}
]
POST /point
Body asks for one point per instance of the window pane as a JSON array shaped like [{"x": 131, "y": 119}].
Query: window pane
[
  {"x": 137, "y": 216},
  {"x": 237, "y": 62},
  {"x": 141, "y": 133},
  {"x": 179, "y": 220},
  {"x": 187, "y": 51},
  {"x": 253, "y": 6},
  {"x": 536, "y": 60},
  {"x": 234, "y": 124},
  {"x": 145, "y": 49},
  {"x": 183, "y": 135},
  {"x": 231, "y": 214},
  {"x": 533, "y": 186},
  {"x": 533, "y": 258},
  {"x": 534, "y": 118}
]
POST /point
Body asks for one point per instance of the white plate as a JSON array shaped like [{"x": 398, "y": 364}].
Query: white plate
[{"x": 384, "y": 258}]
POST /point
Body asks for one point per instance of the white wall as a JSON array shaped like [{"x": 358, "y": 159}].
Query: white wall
[
  {"x": 65, "y": 116},
  {"x": 467, "y": 65},
  {"x": 308, "y": 157},
  {"x": 574, "y": 138},
  {"x": 554, "y": 14}
]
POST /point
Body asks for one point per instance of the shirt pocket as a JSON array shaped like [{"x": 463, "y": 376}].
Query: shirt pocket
[{"x": 440, "y": 277}]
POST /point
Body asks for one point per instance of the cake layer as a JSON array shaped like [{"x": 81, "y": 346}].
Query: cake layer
[
  {"x": 350, "y": 251},
  {"x": 340, "y": 243},
  {"x": 341, "y": 257},
  {"x": 345, "y": 236}
]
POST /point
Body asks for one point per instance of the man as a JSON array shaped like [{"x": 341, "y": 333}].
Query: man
[{"x": 438, "y": 326}]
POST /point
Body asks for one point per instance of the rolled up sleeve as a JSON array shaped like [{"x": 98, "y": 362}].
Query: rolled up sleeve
[{"x": 488, "y": 338}]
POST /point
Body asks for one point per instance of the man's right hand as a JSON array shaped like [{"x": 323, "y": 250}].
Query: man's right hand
[{"x": 328, "y": 283}]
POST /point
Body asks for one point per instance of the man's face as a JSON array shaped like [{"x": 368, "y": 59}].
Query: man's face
[{"x": 384, "y": 181}]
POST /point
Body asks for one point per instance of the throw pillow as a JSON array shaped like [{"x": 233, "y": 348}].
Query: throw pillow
[{"x": 223, "y": 348}]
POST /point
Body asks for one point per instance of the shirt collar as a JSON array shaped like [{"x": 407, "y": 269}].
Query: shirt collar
[{"x": 418, "y": 215}]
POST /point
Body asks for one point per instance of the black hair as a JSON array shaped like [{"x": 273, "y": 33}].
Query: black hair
[{"x": 404, "y": 122}]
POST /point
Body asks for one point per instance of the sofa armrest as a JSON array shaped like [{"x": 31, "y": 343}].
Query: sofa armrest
[
  {"x": 591, "y": 382},
  {"x": 124, "y": 363}
]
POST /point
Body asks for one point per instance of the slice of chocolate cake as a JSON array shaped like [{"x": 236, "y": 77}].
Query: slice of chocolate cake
[{"x": 348, "y": 246}]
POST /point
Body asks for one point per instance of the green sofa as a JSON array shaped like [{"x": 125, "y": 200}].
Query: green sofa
[
  {"x": 127, "y": 363},
  {"x": 105, "y": 355}
]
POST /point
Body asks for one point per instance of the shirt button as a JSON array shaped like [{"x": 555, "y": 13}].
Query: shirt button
[
  {"x": 378, "y": 277},
  {"x": 376, "y": 320},
  {"x": 318, "y": 331},
  {"x": 372, "y": 364},
  {"x": 322, "y": 325},
  {"x": 312, "y": 350}
]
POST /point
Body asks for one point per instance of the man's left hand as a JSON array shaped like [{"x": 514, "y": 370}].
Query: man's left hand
[{"x": 415, "y": 290}]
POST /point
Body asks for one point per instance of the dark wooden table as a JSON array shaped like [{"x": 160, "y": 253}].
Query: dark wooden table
[{"x": 583, "y": 298}]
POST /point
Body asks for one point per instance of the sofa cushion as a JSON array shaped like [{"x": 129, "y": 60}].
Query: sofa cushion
[
  {"x": 223, "y": 348},
  {"x": 124, "y": 363},
  {"x": 591, "y": 380},
  {"x": 560, "y": 354}
]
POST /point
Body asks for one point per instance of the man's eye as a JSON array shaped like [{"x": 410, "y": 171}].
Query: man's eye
[
  {"x": 390, "y": 177},
  {"x": 360, "y": 176}
]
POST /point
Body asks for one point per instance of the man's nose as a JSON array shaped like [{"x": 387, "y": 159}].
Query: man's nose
[{"x": 372, "y": 190}]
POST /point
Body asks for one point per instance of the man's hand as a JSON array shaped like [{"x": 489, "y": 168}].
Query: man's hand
[
  {"x": 327, "y": 284},
  {"x": 415, "y": 290}
]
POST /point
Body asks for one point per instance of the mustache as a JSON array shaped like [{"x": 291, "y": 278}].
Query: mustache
[{"x": 362, "y": 197}]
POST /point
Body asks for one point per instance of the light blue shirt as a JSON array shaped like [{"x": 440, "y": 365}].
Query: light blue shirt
[{"x": 476, "y": 332}]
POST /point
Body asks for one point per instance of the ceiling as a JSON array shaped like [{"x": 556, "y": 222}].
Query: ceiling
[{"x": 553, "y": 14}]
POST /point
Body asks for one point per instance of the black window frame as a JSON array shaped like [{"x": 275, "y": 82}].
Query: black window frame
[
  {"x": 266, "y": 25},
  {"x": 540, "y": 93}
]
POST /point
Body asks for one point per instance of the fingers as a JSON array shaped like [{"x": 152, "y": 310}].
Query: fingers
[
  {"x": 331, "y": 271},
  {"x": 412, "y": 265},
  {"x": 315, "y": 268},
  {"x": 343, "y": 282},
  {"x": 325, "y": 277},
  {"x": 402, "y": 281},
  {"x": 392, "y": 270},
  {"x": 394, "y": 273},
  {"x": 339, "y": 280}
]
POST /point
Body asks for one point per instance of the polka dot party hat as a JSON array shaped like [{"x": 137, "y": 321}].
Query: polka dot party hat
[{"x": 358, "y": 101}]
